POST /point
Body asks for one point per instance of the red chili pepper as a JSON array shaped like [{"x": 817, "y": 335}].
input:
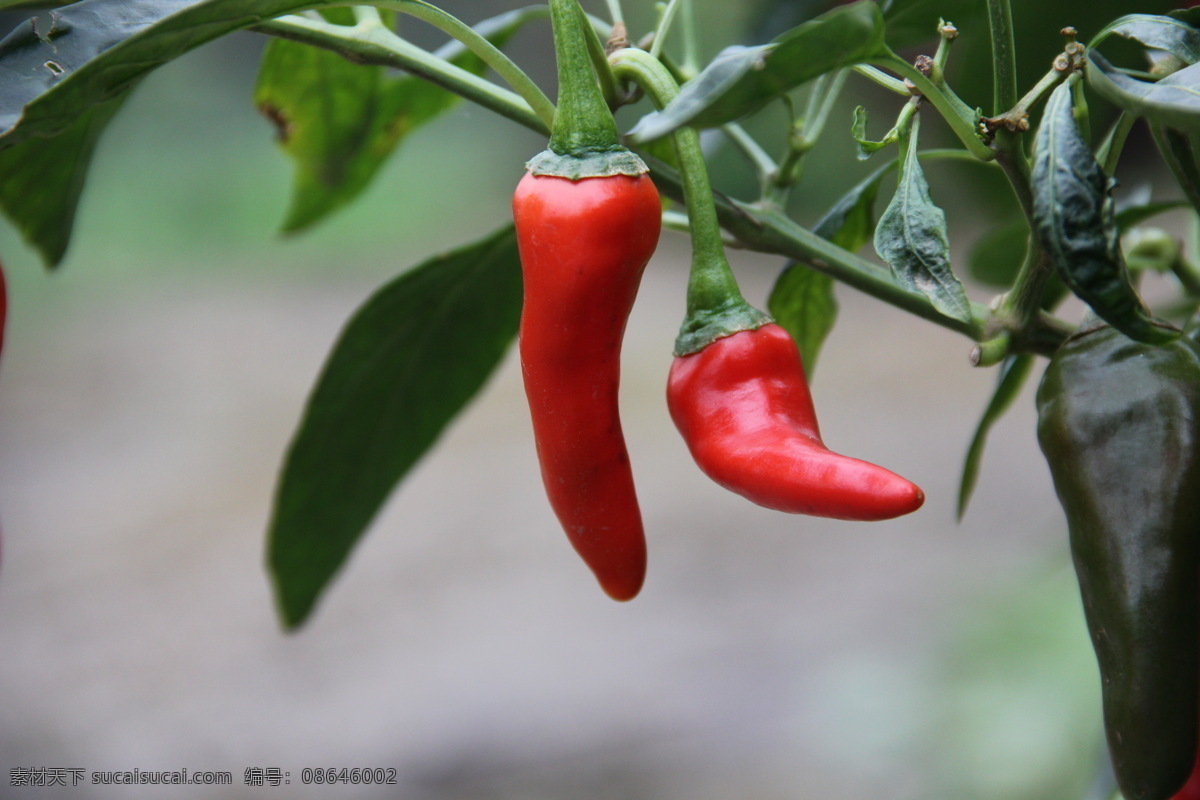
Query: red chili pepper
[
  {"x": 744, "y": 409},
  {"x": 584, "y": 245}
]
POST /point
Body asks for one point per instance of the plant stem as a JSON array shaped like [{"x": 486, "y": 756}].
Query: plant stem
[
  {"x": 764, "y": 165},
  {"x": 664, "y": 26},
  {"x": 1110, "y": 151},
  {"x": 378, "y": 45},
  {"x": 582, "y": 120},
  {"x": 769, "y": 230},
  {"x": 715, "y": 306},
  {"x": 957, "y": 114},
  {"x": 480, "y": 46},
  {"x": 1004, "y": 64},
  {"x": 614, "y": 12},
  {"x": 881, "y": 78},
  {"x": 691, "y": 44},
  {"x": 1016, "y": 118},
  {"x": 366, "y": 15},
  {"x": 596, "y": 54}
]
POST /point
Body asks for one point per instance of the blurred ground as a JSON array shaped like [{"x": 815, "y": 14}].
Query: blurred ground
[{"x": 148, "y": 391}]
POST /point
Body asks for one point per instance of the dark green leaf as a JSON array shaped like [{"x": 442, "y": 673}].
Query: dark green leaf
[
  {"x": 1133, "y": 216},
  {"x": 1013, "y": 373},
  {"x": 405, "y": 365},
  {"x": 851, "y": 221},
  {"x": 1173, "y": 101},
  {"x": 60, "y": 64},
  {"x": 21, "y": 5},
  {"x": 1161, "y": 33},
  {"x": 996, "y": 256},
  {"x": 43, "y": 179},
  {"x": 1177, "y": 150},
  {"x": 911, "y": 238},
  {"x": 858, "y": 130},
  {"x": 1190, "y": 16},
  {"x": 802, "y": 302},
  {"x": 339, "y": 121},
  {"x": 911, "y": 22},
  {"x": 1073, "y": 211},
  {"x": 741, "y": 80}
]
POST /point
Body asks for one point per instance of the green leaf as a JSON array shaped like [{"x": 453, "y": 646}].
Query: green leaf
[
  {"x": 995, "y": 257},
  {"x": 43, "y": 179},
  {"x": 404, "y": 366},
  {"x": 911, "y": 238},
  {"x": 1013, "y": 372},
  {"x": 57, "y": 66},
  {"x": 1135, "y": 215},
  {"x": 339, "y": 121},
  {"x": 1178, "y": 152},
  {"x": 851, "y": 221},
  {"x": 1173, "y": 101},
  {"x": 741, "y": 80},
  {"x": 802, "y": 302},
  {"x": 22, "y": 5},
  {"x": 1162, "y": 33},
  {"x": 1073, "y": 213},
  {"x": 867, "y": 147}
]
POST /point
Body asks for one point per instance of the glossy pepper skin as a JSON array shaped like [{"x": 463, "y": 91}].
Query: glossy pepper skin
[
  {"x": 584, "y": 245},
  {"x": 744, "y": 409},
  {"x": 1119, "y": 424}
]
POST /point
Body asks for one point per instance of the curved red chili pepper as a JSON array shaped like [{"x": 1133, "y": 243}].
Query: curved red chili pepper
[
  {"x": 744, "y": 409},
  {"x": 584, "y": 245}
]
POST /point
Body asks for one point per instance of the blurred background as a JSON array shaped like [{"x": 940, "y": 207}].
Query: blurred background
[{"x": 149, "y": 388}]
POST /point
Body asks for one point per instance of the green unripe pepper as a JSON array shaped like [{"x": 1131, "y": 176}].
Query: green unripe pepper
[{"x": 1119, "y": 424}]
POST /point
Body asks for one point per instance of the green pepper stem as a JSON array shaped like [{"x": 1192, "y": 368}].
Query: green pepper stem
[
  {"x": 715, "y": 306},
  {"x": 582, "y": 120}
]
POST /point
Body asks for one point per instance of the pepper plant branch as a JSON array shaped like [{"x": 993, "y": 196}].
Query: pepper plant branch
[
  {"x": 491, "y": 55},
  {"x": 1004, "y": 64},
  {"x": 664, "y": 27},
  {"x": 764, "y": 165},
  {"x": 754, "y": 227},
  {"x": 373, "y": 44},
  {"x": 691, "y": 41},
  {"x": 803, "y": 137},
  {"x": 960, "y": 117},
  {"x": 947, "y": 33},
  {"x": 615, "y": 13},
  {"x": 821, "y": 102},
  {"x": 881, "y": 78},
  {"x": 367, "y": 15},
  {"x": 1016, "y": 118}
]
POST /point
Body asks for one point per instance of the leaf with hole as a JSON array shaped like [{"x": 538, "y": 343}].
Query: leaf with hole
[{"x": 339, "y": 121}]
